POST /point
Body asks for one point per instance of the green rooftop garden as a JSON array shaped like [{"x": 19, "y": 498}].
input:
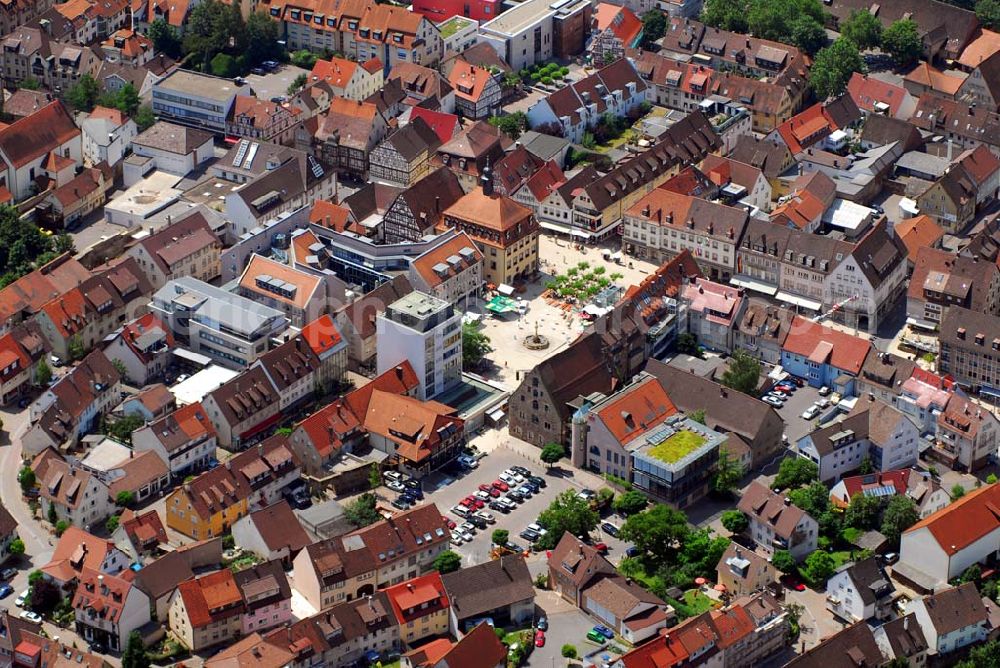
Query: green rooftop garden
[
  {"x": 677, "y": 446},
  {"x": 452, "y": 26}
]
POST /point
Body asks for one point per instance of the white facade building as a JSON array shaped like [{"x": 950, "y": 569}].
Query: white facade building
[{"x": 426, "y": 331}]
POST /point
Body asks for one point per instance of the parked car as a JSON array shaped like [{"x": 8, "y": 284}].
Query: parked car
[
  {"x": 6, "y": 590},
  {"x": 537, "y": 528},
  {"x": 400, "y": 504},
  {"x": 520, "y": 469},
  {"x": 774, "y": 401},
  {"x": 515, "y": 495},
  {"x": 543, "y": 623},
  {"x": 824, "y": 391},
  {"x": 586, "y": 494},
  {"x": 525, "y": 491},
  {"x": 451, "y": 524},
  {"x": 476, "y": 521},
  {"x": 456, "y": 541},
  {"x": 529, "y": 535},
  {"x": 538, "y": 481},
  {"x": 511, "y": 473},
  {"x": 481, "y": 495},
  {"x": 468, "y": 461},
  {"x": 514, "y": 547},
  {"x": 496, "y": 504},
  {"x": 594, "y": 636},
  {"x": 822, "y": 402},
  {"x": 811, "y": 412},
  {"x": 507, "y": 479},
  {"x": 501, "y": 485},
  {"x": 392, "y": 475},
  {"x": 32, "y": 617},
  {"x": 22, "y": 599},
  {"x": 490, "y": 518},
  {"x": 468, "y": 528},
  {"x": 632, "y": 551},
  {"x": 539, "y": 638},
  {"x": 270, "y": 65},
  {"x": 605, "y": 631},
  {"x": 8, "y": 574},
  {"x": 468, "y": 501},
  {"x": 601, "y": 547},
  {"x": 610, "y": 529},
  {"x": 890, "y": 558}
]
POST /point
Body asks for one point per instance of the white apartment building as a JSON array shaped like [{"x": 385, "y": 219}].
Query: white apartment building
[
  {"x": 527, "y": 34},
  {"x": 232, "y": 330},
  {"x": 196, "y": 99},
  {"x": 427, "y": 332}
]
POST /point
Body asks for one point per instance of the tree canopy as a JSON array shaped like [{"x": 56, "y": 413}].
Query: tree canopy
[
  {"x": 83, "y": 95},
  {"x": 552, "y": 453},
  {"x": 728, "y": 473},
  {"x": 23, "y": 247},
  {"x": 833, "y": 66},
  {"x": 863, "y": 512},
  {"x": 165, "y": 38},
  {"x": 818, "y": 568},
  {"x": 768, "y": 19},
  {"x": 659, "y": 531},
  {"x": 654, "y": 26},
  {"x": 361, "y": 512},
  {"x": 808, "y": 35},
  {"x": 135, "y": 655},
  {"x": 795, "y": 472},
  {"x": 742, "y": 373},
  {"x": 735, "y": 521},
  {"x": 630, "y": 503},
  {"x": 863, "y": 28},
  {"x": 447, "y": 562},
  {"x": 511, "y": 125},
  {"x": 475, "y": 345},
  {"x": 567, "y": 512},
  {"x": 901, "y": 40}
]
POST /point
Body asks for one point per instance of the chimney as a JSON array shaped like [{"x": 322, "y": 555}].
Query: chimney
[{"x": 487, "y": 179}]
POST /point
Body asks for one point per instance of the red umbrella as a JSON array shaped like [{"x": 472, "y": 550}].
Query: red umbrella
[
  {"x": 719, "y": 587},
  {"x": 700, "y": 581}
]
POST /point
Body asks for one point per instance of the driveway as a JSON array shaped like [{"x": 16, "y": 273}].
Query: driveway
[
  {"x": 568, "y": 625},
  {"x": 795, "y": 426},
  {"x": 276, "y": 83},
  {"x": 816, "y": 623}
]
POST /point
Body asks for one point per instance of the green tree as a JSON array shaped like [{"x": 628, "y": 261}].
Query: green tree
[
  {"x": 687, "y": 344},
  {"x": 475, "y": 346},
  {"x": 567, "y": 512},
  {"x": 971, "y": 574},
  {"x": 26, "y": 478},
  {"x": 725, "y": 14},
  {"x": 863, "y": 512},
  {"x": 728, "y": 473},
  {"x": 795, "y": 472},
  {"x": 899, "y": 515},
  {"x": 61, "y": 527},
  {"x": 53, "y": 516},
  {"x": 808, "y": 34},
  {"x": 224, "y": 65},
  {"x": 75, "y": 347},
  {"x": 84, "y": 93},
  {"x": 742, "y": 373},
  {"x": 654, "y": 26},
  {"x": 144, "y": 117},
  {"x": 552, "y": 453},
  {"x": 511, "y": 125},
  {"x": 45, "y": 595},
  {"x": 813, "y": 498},
  {"x": 991, "y": 479},
  {"x": 833, "y": 66},
  {"x": 361, "y": 512},
  {"x": 298, "y": 83},
  {"x": 214, "y": 27},
  {"x": 735, "y": 521},
  {"x": 120, "y": 367},
  {"x": 447, "y": 562},
  {"x": 43, "y": 374},
  {"x": 957, "y": 492},
  {"x": 30, "y": 83},
  {"x": 819, "y": 566},
  {"x": 122, "y": 428},
  {"x": 698, "y": 415},
  {"x": 862, "y": 28},
  {"x": 500, "y": 537},
  {"x": 303, "y": 58},
  {"x": 901, "y": 40},
  {"x": 630, "y": 503},
  {"x": 568, "y": 651},
  {"x": 111, "y": 525},
  {"x": 127, "y": 100},
  {"x": 988, "y": 13},
  {"x": 866, "y": 466},
  {"x": 374, "y": 477},
  {"x": 165, "y": 38},
  {"x": 124, "y": 498},
  {"x": 263, "y": 34},
  {"x": 16, "y": 547},
  {"x": 659, "y": 532},
  {"x": 986, "y": 655},
  {"x": 135, "y": 655}
]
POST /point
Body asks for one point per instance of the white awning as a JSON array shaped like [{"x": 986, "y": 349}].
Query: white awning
[
  {"x": 564, "y": 229},
  {"x": 505, "y": 289},
  {"x": 753, "y": 284},
  {"x": 921, "y": 324},
  {"x": 190, "y": 356},
  {"x": 798, "y": 301}
]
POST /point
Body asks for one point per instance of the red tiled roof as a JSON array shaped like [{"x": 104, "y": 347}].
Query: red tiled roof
[
  {"x": 621, "y": 21},
  {"x": 918, "y": 232},
  {"x": 637, "y": 410},
  {"x": 322, "y": 334},
  {"x": 444, "y": 125},
  {"x": 867, "y": 91},
  {"x": 826, "y": 345},
  {"x": 33, "y": 136},
  {"x": 215, "y": 591},
  {"x": 408, "y": 598},
  {"x": 964, "y": 521},
  {"x": 663, "y": 651}
]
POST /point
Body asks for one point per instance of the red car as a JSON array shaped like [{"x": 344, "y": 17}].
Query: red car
[
  {"x": 485, "y": 488},
  {"x": 601, "y": 547},
  {"x": 451, "y": 523},
  {"x": 539, "y": 638},
  {"x": 478, "y": 503},
  {"x": 468, "y": 501},
  {"x": 501, "y": 485}
]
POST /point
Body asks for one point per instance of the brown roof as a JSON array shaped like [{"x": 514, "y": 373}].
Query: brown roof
[
  {"x": 965, "y": 281},
  {"x": 32, "y": 291},
  {"x": 943, "y": 116},
  {"x": 918, "y": 232},
  {"x": 263, "y": 584},
  {"x": 252, "y": 651},
  {"x": 178, "y": 241},
  {"x": 75, "y": 551},
  {"x": 361, "y": 313},
  {"x": 25, "y": 102},
  {"x": 447, "y": 260},
  {"x": 33, "y": 136},
  {"x": 578, "y": 561},
  {"x": 770, "y": 508},
  {"x": 853, "y": 647},
  {"x": 288, "y": 363},
  {"x": 279, "y": 527},
  {"x": 498, "y": 213},
  {"x": 141, "y": 470},
  {"x": 248, "y": 394},
  {"x": 490, "y": 585},
  {"x": 954, "y": 609},
  {"x": 145, "y": 529},
  {"x": 343, "y": 624},
  {"x": 172, "y": 138},
  {"x": 211, "y": 598},
  {"x": 478, "y": 647},
  {"x": 101, "y": 597}
]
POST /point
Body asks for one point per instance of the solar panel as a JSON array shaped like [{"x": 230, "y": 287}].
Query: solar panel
[
  {"x": 251, "y": 154},
  {"x": 241, "y": 152},
  {"x": 317, "y": 169}
]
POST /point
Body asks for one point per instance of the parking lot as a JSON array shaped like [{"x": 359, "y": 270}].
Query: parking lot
[
  {"x": 447, "y": 491},
  {"x": 795, "y": 426},
  {"x": 276, "y": 83}
]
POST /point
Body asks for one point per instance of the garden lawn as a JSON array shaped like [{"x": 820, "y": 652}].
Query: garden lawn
[{"x": 677, "y": 446}]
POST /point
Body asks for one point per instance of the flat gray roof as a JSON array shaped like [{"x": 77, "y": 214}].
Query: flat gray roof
[
  {"x": 516, "y": 19},
  {"x": 202, "y": 85},
  {"x": 226, "y": 308}
]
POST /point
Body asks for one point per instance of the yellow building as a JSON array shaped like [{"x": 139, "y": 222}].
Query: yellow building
[{"x": 421, "y": 608}]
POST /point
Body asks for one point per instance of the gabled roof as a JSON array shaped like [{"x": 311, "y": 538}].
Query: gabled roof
[
  {"x": 825, "y": 345},
  {"x": 620, "y": 21},
  {"x": 416, "y": 427},
  {"x": 211, "y": 598},
  {"x": 663, "y": 651},
  {"x": 817, "y": 122},
  {"x": 853, "y": 647},
  {"x": 444, "y": 125},
  {"x": 638, "y": 408},
  {"x": 963, "y": 522},
  {"x": 144, "y": 529},
  {"x": 918, "y": 232},
  {"x": 868, "y": 91},
  {"x": 490, "y": 585},
  {"x": 279, "y": 527},
  {"x": 33, "y": 136},
  {"x": 100, "y": 597},
  {"x": 322, "y": 335},
  {"x": 955, "y": 609},
  {"x": 478, "y": 647},
  {"x": 75, "y": 551},
  {"x": 447, "y": 260},
  {"x": 302, "y": 285},
  {"x": 960, "y": 280},
  {"x": 470, "y": 82},
  {"x": 769, "y": 508}
]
